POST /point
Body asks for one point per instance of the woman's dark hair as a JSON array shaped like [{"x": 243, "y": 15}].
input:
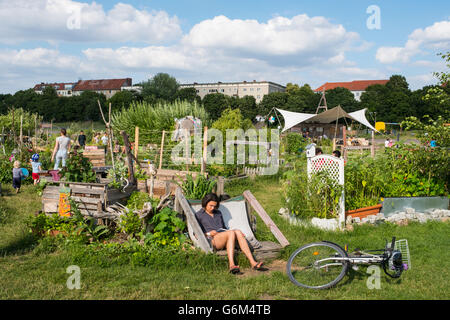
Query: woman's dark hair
[
  {"x": 63, "y": 131},
  {"x": 210, "y": 197},
  {"x": 337, "y": 153}
]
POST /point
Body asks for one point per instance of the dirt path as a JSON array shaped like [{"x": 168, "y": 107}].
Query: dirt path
[{"x": 275, "y": 265}]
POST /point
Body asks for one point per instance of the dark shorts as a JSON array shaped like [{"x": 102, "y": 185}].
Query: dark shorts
[{"x": 17, "y": 182}]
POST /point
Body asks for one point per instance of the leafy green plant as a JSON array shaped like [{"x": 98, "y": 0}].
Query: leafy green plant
[
  {"x": 198, "y": 188},
  {"x": 130, "y": 224},
  {"x": 137, "y": 200},
  {"x": 5, "y": 170},
  {"x": 140, "y": 174},
  {"x": 78, "y": 169},
  {"x": 167, "y": 229},
  {"x": 294, "y": 143},
  {"x": 87, "y": 226},
  {"x": 150, "y": 118},
  {"x": 118, "y": 175},
  {"x": 40, "y": 187},
  {"x": 314, "y": 196}
]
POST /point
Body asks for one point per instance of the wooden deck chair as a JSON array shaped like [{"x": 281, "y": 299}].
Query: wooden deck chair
[{"x": 235, "y": 213}]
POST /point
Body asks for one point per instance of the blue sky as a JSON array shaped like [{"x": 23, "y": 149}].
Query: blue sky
[{"x": 208, "y": 41}]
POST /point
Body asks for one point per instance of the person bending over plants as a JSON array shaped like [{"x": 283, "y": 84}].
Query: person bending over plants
[{"x": 212, "y": 224}]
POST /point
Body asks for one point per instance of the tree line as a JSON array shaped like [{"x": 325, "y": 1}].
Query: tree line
[{"x": 392, "y": 102}]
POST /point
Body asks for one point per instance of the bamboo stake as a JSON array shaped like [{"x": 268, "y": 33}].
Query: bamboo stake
[
  {"x": 161, "y": 150},
  {"x": 187, "y": 139},
  {"x": 136, "y": 142},
  {"x": 21, "y": 134},
  {"x": 205, "y": 145}
]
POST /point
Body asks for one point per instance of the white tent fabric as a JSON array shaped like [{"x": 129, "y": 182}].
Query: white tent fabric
[
  {"x": 360, "y": 116},
  {"x": 293, "y": 118}
]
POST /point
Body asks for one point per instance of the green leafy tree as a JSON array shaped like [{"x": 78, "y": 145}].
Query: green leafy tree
[
  {"x": 215, "y": 104},
  {"x": 231, "y": 119},
  {"x": 343, "y": 97},
  {"x": 440, "y": 95},
  {"x": 247, "y": 106},
  {"x": 273, "y": 100},
  {"x": 121, "y": 99},
  {"x": 161, "y": 87},
  {"x": 188, "y": 94}
]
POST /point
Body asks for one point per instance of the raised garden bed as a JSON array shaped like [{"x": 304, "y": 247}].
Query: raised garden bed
[{"x": 364, "y": 212}]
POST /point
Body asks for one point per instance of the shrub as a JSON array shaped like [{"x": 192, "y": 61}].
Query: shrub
[
  {"x": 198, "y": 188},
  {"x": 78, "y": 169}
]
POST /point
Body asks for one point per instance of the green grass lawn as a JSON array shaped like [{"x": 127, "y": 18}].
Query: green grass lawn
[{"x": 30, "y": 269}]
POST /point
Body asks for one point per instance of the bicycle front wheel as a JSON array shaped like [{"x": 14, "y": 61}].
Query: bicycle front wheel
[{"x": 318, "y": 265}]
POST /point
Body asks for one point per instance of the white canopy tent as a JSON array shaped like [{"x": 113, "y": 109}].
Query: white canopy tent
[{"x": 293, "y": 118}]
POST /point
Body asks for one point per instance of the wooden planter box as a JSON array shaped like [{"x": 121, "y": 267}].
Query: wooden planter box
[
  {"x": 92, "y": 198},
  {"x": 364, "y": 212}
]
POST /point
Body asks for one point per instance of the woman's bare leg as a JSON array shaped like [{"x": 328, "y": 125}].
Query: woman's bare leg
[
  {"x": 244, "y": 247},
  {"x": 226, "y": 240}
]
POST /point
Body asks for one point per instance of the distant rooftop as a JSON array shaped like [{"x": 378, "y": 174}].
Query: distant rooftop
[
  {"x": 103, "y": 84},
  {"x": 230, "y": 83},
  {"x": 357, "y": 85}
]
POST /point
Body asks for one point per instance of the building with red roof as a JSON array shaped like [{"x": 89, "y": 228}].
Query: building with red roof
[
  {"x": 64, "y": 89},
  {"x": 357, "y": 87},
  {"x": 106, "y": 86}
]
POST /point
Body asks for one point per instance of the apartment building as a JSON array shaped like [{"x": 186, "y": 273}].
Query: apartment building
[
  {"x": 62, "y": 89},
  {"x": 253, "y": 88},
  {"x": 106, "y": 86}
]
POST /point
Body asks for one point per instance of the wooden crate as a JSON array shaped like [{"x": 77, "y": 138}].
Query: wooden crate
[
  {"x": 96, "y": 157},
  {"x": 92, "y": 199}
]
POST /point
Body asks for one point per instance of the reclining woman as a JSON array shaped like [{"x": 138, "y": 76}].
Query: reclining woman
[{"x": 212, "y": 224}]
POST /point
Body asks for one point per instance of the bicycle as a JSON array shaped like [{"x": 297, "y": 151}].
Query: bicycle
[{"x": 322, "y": 265}]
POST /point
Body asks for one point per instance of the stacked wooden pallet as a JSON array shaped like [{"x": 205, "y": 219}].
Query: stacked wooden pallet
[
  {"x": 95, "y": 156},
  {"x": 92, "y": 199},
  {"x": 166, "y": 180}
]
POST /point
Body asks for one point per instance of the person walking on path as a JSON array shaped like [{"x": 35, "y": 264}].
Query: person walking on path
[
  {"x": 36, "y": 167},
  {"x": 61, "y": 150},
  {"x": 82, "y": 139},
  {"x": 17, "y": 176}
]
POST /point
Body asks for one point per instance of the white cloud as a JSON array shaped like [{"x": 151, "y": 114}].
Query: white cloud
[
  {"x": 67, "y": 20},
  {"x": 224, "y": 47},
  {"x": 436, "y": 36},
  {"x": 299, "y": 37},
  {"x": 37, "y": 58}
]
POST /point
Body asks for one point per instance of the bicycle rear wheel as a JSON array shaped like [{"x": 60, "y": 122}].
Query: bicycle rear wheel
[{"x": 318, "y": 265}]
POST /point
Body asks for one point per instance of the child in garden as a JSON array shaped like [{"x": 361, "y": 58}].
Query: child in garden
[
  {"x": 17, "y": 176},
  {"x": 36, "y": 167}
]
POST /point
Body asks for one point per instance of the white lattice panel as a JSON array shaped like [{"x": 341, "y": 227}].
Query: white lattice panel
[{"x": 335, "y": 168}]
